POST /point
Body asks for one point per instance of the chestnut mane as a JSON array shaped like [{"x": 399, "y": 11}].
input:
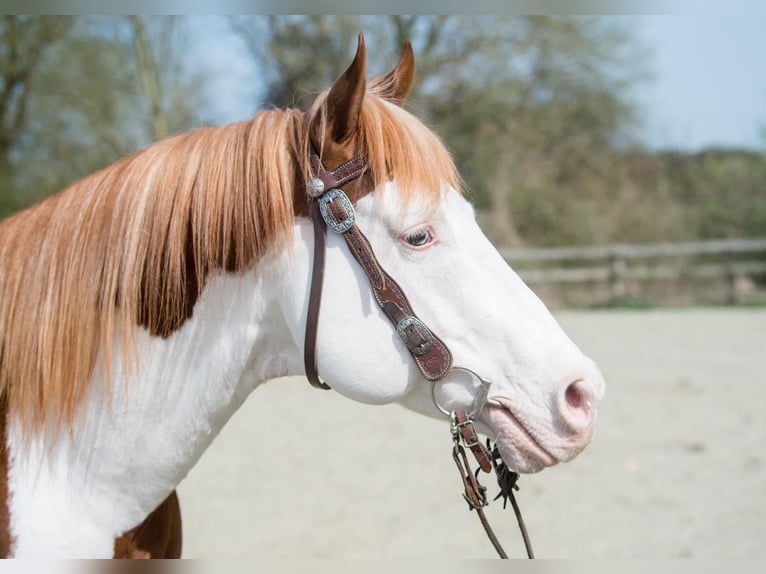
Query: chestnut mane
[{"x": 133, "y": 244}]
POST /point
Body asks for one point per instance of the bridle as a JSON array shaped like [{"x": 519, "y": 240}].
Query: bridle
[{"x": 330, "y": 207}]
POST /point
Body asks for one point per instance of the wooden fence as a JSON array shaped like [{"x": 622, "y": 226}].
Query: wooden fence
[{"x": 738, "y": 265}]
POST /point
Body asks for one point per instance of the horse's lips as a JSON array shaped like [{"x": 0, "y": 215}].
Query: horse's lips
[{"x": 518, "y": 448}]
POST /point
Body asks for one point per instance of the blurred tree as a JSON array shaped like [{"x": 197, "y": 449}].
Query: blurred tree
[
  {"x": 149, "y": 74},
  {"x": 168, "y": 84},
  {"x": 298, "y": 55},
  {"x": 111, "y": 86},
  {"x": 24, "y": 41},
  {"x": 534, "y": 107},
  {"x": 525, "y": 102},
  {"x": 544, "y": 119}
]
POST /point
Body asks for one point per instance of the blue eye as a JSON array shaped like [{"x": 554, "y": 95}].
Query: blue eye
[{"x": 418, "y": 238}]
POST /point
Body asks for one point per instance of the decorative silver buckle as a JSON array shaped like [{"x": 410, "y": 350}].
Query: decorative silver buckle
[
  {"x": 417, "y": 347},
  {"x": 324, "y": 209}
]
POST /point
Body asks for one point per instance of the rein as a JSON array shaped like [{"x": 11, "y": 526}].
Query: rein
[{"x": 330, "y": 207}]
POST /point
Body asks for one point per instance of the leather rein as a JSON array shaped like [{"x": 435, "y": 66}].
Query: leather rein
[{"x": 330, "y": 207}]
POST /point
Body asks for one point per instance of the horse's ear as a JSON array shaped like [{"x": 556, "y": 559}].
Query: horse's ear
[
  {"x": 395, "y": 85},
  {"x": 344, "y": 103}
]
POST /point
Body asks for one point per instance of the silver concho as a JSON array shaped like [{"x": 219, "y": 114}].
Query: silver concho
[
  {"x": 315, "y": 187},
  {"x": 337, "y": 226},
  {"x": 417, "y": 348}
]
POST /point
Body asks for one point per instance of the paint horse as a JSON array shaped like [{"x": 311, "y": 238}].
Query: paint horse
[{"x": 141, "y": 306}]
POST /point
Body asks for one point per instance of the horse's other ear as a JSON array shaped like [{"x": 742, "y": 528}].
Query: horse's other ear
[
  {"x": 344, "y": 102},
  {"x": 395, "y": 85}
]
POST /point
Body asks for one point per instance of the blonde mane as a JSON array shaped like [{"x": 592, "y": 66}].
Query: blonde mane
[{"x": 134, "y": 243}]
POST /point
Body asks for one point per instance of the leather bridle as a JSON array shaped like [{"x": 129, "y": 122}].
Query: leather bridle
[{"x": 330, "y": 207}]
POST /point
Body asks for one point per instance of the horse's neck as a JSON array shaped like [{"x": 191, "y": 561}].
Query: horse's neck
[{"x": 128, "y": 453}]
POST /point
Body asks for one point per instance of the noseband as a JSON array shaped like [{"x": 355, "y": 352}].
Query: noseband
[{"x": 330, "y": 207}]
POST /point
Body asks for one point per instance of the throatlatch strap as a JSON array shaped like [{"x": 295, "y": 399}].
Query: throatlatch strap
[
  {"x": 315, "y": 300},
  {"x": 332, "y": 179}
]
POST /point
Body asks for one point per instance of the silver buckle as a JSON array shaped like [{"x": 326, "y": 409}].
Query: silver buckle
[
  {"x": 324, "y": 209},
  {"x": 419, "y": 348}
]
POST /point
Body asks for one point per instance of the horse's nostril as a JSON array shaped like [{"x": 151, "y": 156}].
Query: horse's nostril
[
  {"x": 577, "y": 396},
  {"x": 576, "y": 406}
]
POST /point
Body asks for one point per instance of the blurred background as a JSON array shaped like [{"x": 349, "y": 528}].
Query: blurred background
[
  {"x": 619, "y": 163},
  {"x": 569, "y": 131}
]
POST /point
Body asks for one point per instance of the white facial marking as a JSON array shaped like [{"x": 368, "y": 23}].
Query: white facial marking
[{"x": 466, "y": 293}]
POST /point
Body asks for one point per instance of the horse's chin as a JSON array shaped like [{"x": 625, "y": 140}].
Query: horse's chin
[{"x": 520, "y": 450}]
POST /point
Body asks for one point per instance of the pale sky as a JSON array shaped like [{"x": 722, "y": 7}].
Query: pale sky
[
  {"x": 710, "y": 80},
  {"x": 708, "y": 86}
]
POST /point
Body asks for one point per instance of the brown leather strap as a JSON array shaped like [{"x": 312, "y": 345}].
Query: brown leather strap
[
  {"x": 315, "y": 300},
  {"x": 474, "y": 493},
  {"x": 433, "y": 363},
  {"x": 332, "y": 179},
  {"x": 341, "y": 174},
  {"x": 491, "y": 534},
  {"x": 430, "y": 354},
  {"x": 471, "y": 440}
]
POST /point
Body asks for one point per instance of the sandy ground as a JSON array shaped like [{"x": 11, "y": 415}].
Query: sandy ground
[{"x": 677, "y": 467}]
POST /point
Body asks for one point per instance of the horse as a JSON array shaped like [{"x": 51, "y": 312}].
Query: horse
[{"x": 140, "y": 306}]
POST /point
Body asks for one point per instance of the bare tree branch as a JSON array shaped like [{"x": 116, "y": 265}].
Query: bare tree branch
[
  {"x": 23, "y": 42},
  {"x": 149, "y": 76}
]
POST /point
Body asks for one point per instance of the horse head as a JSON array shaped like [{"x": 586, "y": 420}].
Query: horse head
[{"x": 543, "y": 392}]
